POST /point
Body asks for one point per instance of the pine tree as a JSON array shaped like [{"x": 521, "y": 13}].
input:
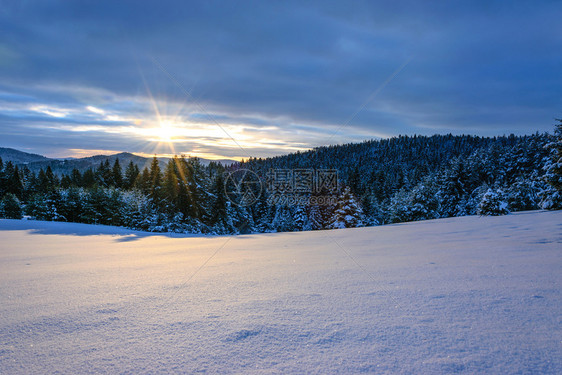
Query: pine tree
[
  {"x": 2, "y": 179},
  {"x": 104, "y": 175},
  {"x": 113, "y": 207},
  {"x": 475, "y": 198},
  {"x": 348, "y": 212},
  {"x": 43, "y": 182},
  {"x": 155, "y": 192},
  {"x": 321, "y": 216},
  {"x": 315, "y": 216},
  {"x": 51, "y": 180},
  {"x": 551, "y": 198},
  {"x": 522, "y": 195},
  {"x": 493, "y": 204},
  {"x": 95, "y": 208},
  {"x": 53, "y": 201},
  {"x": 37, "y": 207},
  {"x": 76, "y": 178},
  {"x": 143, "y": 181},
  {"x": 189, "y": 194},
  {"x": 131, "y": 175},
  {"x": 71, "y": 204},
  {"x": 29, "y": 184},
  {"x": 65, "y": 182},
  {"x": 375, "y": 215},
  {"x": 137, "y": 210},
  {"x": 171, "y": 185},
  {"x": 398, "y": 209},
  {"x": 46, "y": 180},
  {"x": 554, "y": 169},
  {"x": 117, "y": 174},
  {"x": 263, "y": 213},
  {"x": 219, "y": 218},
  {"x": 452, "y": 192},
  {"x": 242, "y": 220},
  {"x": 283, "y": 221},
  {"x": 300, "y": 218},
  {"x": 10, "y": 207},
  {"x": 88, "y": 179},
  {"x": 12, "y": 180},
  {"x": 420, "y": 203}
]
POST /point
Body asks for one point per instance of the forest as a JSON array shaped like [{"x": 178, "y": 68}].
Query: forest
[{"x": 406, "y": 178}]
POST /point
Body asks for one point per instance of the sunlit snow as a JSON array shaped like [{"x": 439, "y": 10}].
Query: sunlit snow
[{"x": 461, "y": 295}]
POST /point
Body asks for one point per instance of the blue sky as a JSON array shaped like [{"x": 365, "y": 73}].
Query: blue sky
[{"x": 262, "y": 78}]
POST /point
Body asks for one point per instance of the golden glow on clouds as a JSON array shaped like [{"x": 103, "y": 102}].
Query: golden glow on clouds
[
  {"x": 173, "y": 132},
  {"x": 83, "y": 153},
  {"x": 170, "y": 131},
  {"x": 208, "y": 156}
]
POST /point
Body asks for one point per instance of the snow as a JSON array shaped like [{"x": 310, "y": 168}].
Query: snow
[{"x": 462, "y": 295}]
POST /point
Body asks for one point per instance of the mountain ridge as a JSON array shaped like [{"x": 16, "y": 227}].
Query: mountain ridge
[
  {"x": 35, "y": 162},
  {"x": 17, "y": 156}
]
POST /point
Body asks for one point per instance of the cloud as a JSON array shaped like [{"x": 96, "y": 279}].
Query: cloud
[{"x": 286, "y": 73}]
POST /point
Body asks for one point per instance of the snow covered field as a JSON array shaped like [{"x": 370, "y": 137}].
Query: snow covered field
[{"x": 462, "y": 295}]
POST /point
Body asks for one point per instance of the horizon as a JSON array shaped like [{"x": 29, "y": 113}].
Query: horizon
[
  {"x": 233, "y": 81},
  {"x": 91, "y": 153}
]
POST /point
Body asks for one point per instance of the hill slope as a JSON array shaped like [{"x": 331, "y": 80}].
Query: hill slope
[
  {"x": 82, "y": 164},
  {"x": 20, "y": 157},
  {"x": 64, "y": 166},
  {"x": 463, "y": 295}
]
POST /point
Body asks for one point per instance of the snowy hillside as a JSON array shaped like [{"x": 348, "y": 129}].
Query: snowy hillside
[
  {"x": 460, "y": 295},
  {"x": 19, "y": 157}
]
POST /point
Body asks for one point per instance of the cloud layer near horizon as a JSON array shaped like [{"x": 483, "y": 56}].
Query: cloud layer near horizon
[{"x": 275, "y": 76}]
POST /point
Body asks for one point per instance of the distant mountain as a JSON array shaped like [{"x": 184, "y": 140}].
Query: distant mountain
[
  {"x": 67, "y": 165},
  {"x": 19, "y": 157},
  {"x": 64, "y": 166}
]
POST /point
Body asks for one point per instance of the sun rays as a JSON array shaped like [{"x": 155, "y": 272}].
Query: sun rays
[{"x": 158, "y": 125}]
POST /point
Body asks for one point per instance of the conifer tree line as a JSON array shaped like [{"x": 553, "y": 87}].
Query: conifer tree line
[
  {"x": 419, "y": 178},
  {"x": 382, "y": 181}
]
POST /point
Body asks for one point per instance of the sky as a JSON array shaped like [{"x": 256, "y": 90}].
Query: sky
[{"x": 241, "y": 79}]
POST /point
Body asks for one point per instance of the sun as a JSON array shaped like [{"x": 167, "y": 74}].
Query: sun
[
  {"x": 166, "y": 132},
  {"x": 163, "y": 134}
]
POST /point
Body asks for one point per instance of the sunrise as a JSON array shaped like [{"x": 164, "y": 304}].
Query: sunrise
[{"x": 280, "y": 187}]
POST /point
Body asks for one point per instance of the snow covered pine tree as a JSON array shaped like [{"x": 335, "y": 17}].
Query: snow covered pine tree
[
  {"x": 493, "y": 204},
  {"x": 551, "y": 198},
  {"x": 348, "y": 212},
  {"x": 10, "y": 207}
]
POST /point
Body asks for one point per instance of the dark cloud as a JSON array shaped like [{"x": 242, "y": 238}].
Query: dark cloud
[{"x": 475, "y": 67}]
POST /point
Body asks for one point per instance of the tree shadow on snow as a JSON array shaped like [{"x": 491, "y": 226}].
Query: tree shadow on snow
[{"x": 78, "y": 229}]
